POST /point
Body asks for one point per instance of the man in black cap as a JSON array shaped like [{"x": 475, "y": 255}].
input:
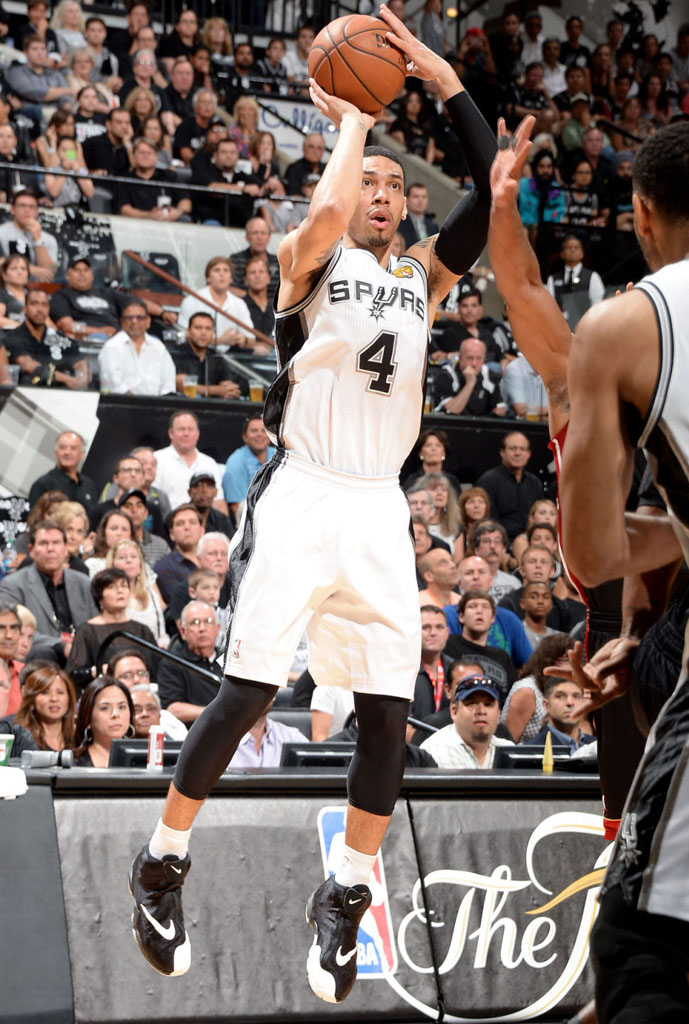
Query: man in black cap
[
  {"x": 99, "y": 309},
  {"x": 470, "y": 741},
  {"x": 135, "y": 504},
  {"x": 212, "y": 372},
  {"x": 202, "y": 493}
]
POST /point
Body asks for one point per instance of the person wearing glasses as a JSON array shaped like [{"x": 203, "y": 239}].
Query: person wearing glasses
[
  {"x": 133, "y": 362},
  {"x": 129, "y": 667},
  {"x": 182, "y": 691},
  {"x": 470, "y": 740}
]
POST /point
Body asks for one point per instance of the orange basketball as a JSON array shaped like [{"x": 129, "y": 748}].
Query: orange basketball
[{"x": 351, "y": 58}]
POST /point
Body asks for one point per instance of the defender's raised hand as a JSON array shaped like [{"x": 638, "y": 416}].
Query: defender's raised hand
[{"x": 510, "y": 158}]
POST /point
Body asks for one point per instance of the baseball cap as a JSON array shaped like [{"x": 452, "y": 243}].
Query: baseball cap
[
  {"x": 475, "y": 684},
  {"x": 133, "y": 492},
  {"x": 76, "y": 258},
  {"x": 200, "y": 477},
  {"x": 580, "y": 96}
]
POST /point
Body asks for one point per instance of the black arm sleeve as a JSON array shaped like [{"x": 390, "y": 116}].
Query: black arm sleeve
[{"x": 463, "y": 235}]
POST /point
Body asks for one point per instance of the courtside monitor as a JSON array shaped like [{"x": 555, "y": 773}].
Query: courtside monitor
[
  {"x": 131, "y": 753},
  {"x": 526, "y": 756},
  {"x": 317, "y": 755}
]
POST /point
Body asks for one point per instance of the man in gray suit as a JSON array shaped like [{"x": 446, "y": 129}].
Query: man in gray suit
[{"x": 60, "y": 598}]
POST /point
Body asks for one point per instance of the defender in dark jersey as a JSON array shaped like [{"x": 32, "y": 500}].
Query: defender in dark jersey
[
  {"x": 627, "y": 382},
  {"x": 324, "y": 543}
]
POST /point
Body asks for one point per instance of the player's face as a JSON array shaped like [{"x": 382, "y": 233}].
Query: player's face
[{"x": 381, "y": 204}]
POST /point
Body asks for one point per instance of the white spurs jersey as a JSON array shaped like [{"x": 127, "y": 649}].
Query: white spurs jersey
[
  {"x": 665, "y": 438},
  {"x": 352, "y": 365}
]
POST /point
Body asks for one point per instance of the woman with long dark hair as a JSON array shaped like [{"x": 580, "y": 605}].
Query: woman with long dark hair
[
  {"x": 106, "y": 713},
  {"x": 48, "y": 707}
]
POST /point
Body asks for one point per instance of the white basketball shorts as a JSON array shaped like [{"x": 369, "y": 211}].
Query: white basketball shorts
[{"x": 329, "y": 553}]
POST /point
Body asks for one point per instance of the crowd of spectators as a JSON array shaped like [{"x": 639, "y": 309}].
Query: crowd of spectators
[{"x": 148, "y": 553}]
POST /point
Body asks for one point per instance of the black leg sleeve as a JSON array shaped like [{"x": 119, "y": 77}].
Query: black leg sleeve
[
  {"x": 641, "y": 962},
  {"x": 376, "y": 769},
  {"x": 215, "y": 735},
  {"x": 463, "y": 235}
]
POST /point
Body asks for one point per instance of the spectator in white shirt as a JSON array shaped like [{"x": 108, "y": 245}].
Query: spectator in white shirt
[
  {"x": 217, "y": 290},
  {"x": 181, "y": 460},
  {"x": 553, "y": 71},
  {"x": 296, "y": 61},
  {"x": 470, "y": 741},
  {"x": 532, "y": 38},
  {"x": 331, "y": 706},
  {"x": 133, "y": 362}
]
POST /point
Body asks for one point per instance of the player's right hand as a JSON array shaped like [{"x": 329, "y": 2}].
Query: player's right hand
[
  {"x": 336, "y": 109},
  {"x": 605, "y": 677}
]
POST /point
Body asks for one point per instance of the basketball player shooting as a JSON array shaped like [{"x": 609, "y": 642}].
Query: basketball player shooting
[{"x": 324, "y": 544}]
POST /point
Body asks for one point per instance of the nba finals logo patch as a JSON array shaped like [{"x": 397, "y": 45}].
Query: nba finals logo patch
[
  {"x": 403, "y": 272},
  {"x": 377, "y": 954},
  {"x": 235, "y": 648}
]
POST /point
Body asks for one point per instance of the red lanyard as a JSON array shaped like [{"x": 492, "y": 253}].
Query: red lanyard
[{"x": 438, "y": 683}]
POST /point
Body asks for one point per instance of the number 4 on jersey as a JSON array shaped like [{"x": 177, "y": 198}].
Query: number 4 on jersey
[{"x": 377, "y": 359}]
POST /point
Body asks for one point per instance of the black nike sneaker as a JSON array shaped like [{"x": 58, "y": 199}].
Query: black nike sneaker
[
  {"x": 334, "y": 912},
  {"x": 158, "y": 921}
]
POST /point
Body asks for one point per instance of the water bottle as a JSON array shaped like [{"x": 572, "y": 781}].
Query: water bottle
[{"x": 8, "y": 557}]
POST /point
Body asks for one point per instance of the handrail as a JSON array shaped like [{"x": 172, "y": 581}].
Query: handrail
[{"x": 190, "y": 291}]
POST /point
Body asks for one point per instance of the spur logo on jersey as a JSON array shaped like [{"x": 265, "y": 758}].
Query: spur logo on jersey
[
  {"x": 381, "y": 298},
  {"x": 376, "y": 953}
]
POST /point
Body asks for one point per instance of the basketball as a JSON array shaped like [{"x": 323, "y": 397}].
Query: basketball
[{"x": 352, "y": 59}]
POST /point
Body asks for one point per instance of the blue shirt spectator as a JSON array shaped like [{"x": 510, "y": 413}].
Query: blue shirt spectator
[
  {"x": 506, "y": 632},
  {"x": 244, "y": 463}
]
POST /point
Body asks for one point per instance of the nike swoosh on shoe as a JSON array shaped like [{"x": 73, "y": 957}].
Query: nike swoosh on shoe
[
  {"x": 167, "y": 932},
  {"x": 343, "y": 958}
]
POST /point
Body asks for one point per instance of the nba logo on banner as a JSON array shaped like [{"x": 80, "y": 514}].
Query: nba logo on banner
[{"x": 377, "y": 955}]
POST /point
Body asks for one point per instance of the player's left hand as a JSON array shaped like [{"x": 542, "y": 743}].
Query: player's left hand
[
  {"x": 422, "y": 62},
  {"x": 506, "y": 172},
  {"x": 335, "y": 109}
]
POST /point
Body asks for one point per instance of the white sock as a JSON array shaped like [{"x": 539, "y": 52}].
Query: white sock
[
  {"x": 166, "y": 840},
  {"x": 355, "y": 868}
]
